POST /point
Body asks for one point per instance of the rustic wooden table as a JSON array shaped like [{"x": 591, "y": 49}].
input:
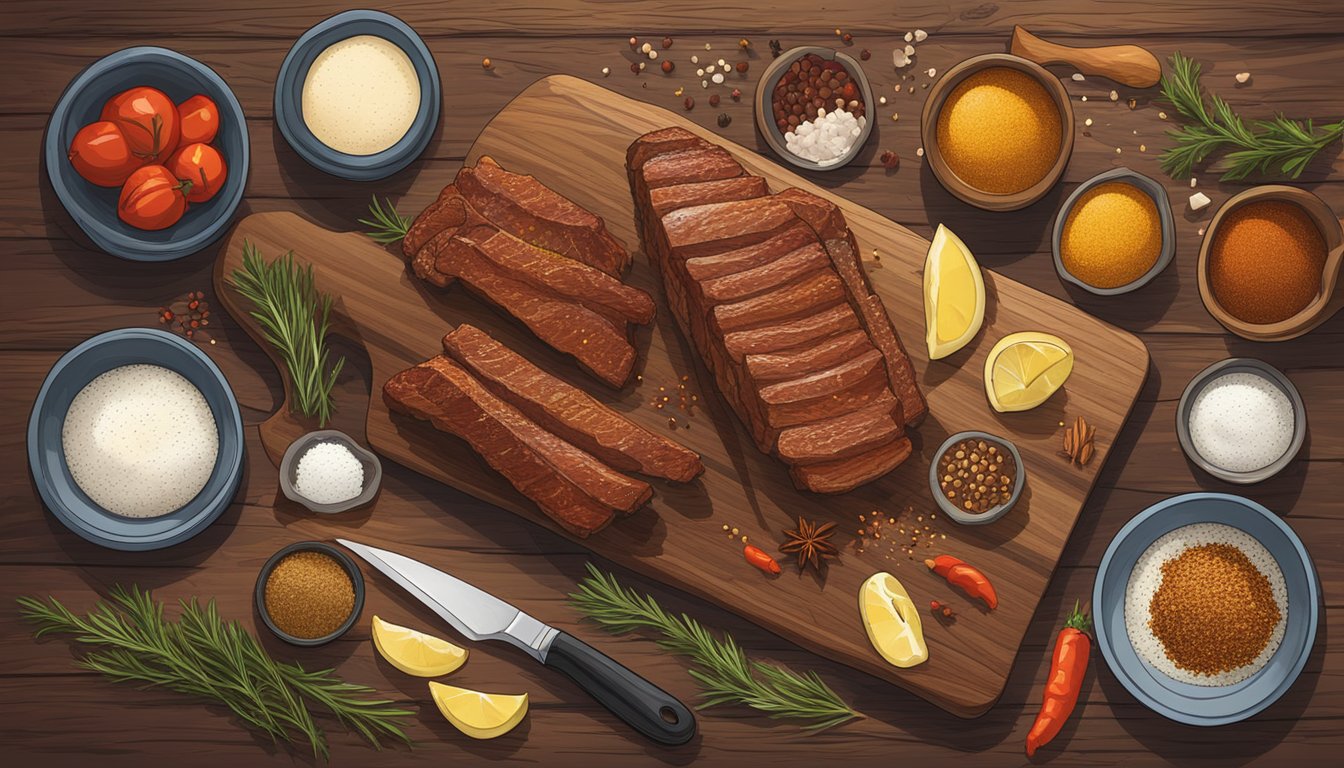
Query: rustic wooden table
[{"x": 55, "y": 290}]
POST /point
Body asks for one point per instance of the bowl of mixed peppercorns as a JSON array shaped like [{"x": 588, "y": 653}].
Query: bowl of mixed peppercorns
[
  {"x": 812, "y": 107},
  {"x": 977, "y": 477}
]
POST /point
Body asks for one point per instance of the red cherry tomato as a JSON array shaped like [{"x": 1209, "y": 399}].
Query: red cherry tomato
[
  {"x": 152, "y": 199},
  {"x": 148, "y": 119},
  {"x": 200, "y": 167},
  {"x": 199, "y": 119},
  {"x": 101, "y": 154}
]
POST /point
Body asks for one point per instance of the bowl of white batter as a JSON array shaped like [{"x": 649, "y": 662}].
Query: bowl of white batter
[
  {"x": 135, "y": 441},
  {"x": 358, "y": 95}
]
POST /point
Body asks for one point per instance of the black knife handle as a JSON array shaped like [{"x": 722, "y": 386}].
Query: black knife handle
[{"x": 647, "y": 708}]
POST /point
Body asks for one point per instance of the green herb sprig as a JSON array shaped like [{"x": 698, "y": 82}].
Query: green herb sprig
[
  {"x": 294, "y": 317},
  {"x": 386, "y": 225},
  {"x": 725, "y": 674},
  {"x": 1265, "y": 146},
  {"x": 203, "y": 655}
]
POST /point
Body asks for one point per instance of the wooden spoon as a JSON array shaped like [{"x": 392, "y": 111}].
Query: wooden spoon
[{"x": 1125, "y": 64}]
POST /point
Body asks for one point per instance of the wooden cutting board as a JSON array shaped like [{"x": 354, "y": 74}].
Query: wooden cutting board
[{"x": 573, "y": 135}]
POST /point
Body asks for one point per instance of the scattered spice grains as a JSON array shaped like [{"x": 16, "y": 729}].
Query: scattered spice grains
[
  {"x": 1078, "y": 447},
  {"x": 188, "y": 316},
  {"x": 714, "y": 100},
  {"x": 725, "y": 120},
  {"x": 309, "y": 595},
  {"x": 942, "y": 609},
  {"x": 905, "y": 532},
  {"x": 686, "y": 402},
  {"x": 890, "y": 160}
]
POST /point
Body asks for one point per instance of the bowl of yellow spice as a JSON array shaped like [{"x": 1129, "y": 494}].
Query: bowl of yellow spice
[
  {"x": 997, "y": 131},
  {"x": 1115, "y": 233},
  {"x": 309, "y": 593}
]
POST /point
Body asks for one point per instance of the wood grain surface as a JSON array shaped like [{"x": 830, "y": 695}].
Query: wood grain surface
[
  {"x": 573, "y": 135},
  {"x": 55, "y": 290}
]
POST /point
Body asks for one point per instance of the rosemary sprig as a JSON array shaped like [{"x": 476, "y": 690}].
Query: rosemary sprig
[
  {"x": 725, "y": 674},
  {"x": 387, "y": 226},
  {"x": 203, "y": 655},
  {"x": 1265, "y": 146},
  {"x": 294, "y": 317}
]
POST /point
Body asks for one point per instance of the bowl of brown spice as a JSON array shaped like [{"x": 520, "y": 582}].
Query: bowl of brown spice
[
  {"x": 309, "y": 593},
  {"x": 997, "y": 131},
  {"x": 1269, "y": 264},
  {"x": 977, "y": 477},
  {"x": 1114, "y": 233}
]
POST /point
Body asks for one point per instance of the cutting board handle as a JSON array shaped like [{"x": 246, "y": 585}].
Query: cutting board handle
[{"x": 1125, "y": 64}]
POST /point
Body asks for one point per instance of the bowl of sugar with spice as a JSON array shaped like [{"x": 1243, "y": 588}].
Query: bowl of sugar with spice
[{"x": 328, "y": 472}]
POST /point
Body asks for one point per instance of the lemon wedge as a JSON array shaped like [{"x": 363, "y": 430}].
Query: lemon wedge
[
  {"x": 954, "y": 295},
  {"x": 416, "y": 653},
  {"x": 892, "y": 622},
  {"x": 1024, "y": 369},
  {"x": 479, "y": 715}
]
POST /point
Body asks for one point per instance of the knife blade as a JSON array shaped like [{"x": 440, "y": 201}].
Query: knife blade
[{"x": 479, "y": 615}]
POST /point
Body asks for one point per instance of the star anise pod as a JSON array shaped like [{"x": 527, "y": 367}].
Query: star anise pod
[{"x": 811, "y": 544}]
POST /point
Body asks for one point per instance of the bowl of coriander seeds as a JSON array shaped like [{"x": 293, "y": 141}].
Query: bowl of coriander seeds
[{"x": 977, "y": 477}]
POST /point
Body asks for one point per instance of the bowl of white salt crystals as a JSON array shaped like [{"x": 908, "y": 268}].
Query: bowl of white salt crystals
[
  {"x": 1241, "y": 420},
  {"x": 328, "y": 472}
]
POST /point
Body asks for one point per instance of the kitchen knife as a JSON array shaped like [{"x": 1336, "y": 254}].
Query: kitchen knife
[{"x": 480, "y": 615}]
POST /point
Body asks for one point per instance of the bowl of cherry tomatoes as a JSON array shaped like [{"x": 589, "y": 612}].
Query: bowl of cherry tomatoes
[{"x": 147, "y": 149}]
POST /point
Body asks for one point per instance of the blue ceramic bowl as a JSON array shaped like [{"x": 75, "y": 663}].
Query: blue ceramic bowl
[
  {"x": 1195, "y": 704},
  {"x": 289, "y": 96},
  {"x": 46, "y": 456},
  {"x": 94, "y": 208}
]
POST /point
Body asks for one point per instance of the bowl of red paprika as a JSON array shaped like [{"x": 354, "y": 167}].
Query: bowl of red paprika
[{"x": 151, "y": 100}]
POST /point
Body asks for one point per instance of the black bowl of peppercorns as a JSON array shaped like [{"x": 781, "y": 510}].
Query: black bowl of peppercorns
[{"x": 802, "y": 83}]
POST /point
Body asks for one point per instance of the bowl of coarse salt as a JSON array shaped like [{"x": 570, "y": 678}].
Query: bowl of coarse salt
[
  {"x": 328, "y": 472},
  {"x": 814, "y": 107},
  {"x": 1241, "y": 420}
]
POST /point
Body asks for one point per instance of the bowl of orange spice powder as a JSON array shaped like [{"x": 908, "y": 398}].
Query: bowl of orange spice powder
[
  {"x": 1269, "y": 263},
  {"x": 1115, "y": 233}
]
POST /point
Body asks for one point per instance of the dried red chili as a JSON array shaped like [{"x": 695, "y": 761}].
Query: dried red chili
[
  {"x": 965, "y": 577},
  {"x": 760, "y": 559}
]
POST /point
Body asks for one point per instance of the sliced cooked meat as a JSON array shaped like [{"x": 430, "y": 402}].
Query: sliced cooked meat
[
  {"x": 767, "y": 277},
  {"x": 808, "y": 358},
  {"x": 824, "y": 217},
  {"x": 524, "y": 207},
  {"x": 793, "y": 237},
  {"x": 795, "y": 333},
  {"x": 571, "y": 487},
  {"x": 591, "y": 339},
  {"x": 802, "y": 298},
  {"x": 843, "y": 436},
  {"x": 844, "y": 475},
  {"x": 449, "y": 211},
  {"x": 664, "y": 200},
  {"x": 661, "y": 142},
  {"x": 705, "y": 230},
  {"x": 568, "y": 411},
  {"x": 688, "y": 167},
  {"x": 827, "y": 393},
  {"x": 566, "y": 277}
]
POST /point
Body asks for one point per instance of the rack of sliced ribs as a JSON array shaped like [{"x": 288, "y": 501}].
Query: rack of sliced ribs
[
  {"x": 537, "y": 256},
  {"x": 771, "y": 292},
  {"x": 555, "y": 443}
]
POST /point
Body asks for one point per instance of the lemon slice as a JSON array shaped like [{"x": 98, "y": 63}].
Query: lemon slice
[
  {"x": 1024, "y": 369},
  {"x": 416, "y": 653},
  {"x": 479, "y": 715},
  {"x": 892, "y": 622},
  {"x": 954, "y": 295}
]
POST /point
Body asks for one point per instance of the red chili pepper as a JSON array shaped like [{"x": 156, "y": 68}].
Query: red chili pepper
[
  {"x": 759, "y": 558},
  {"x": 966, "y": 577},
  {"x": 1072, "y": 647}
]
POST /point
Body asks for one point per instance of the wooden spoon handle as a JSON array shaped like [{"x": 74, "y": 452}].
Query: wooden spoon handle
[{"x": 1125, "y": 64}]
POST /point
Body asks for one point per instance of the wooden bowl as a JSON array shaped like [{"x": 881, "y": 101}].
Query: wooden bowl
[
  {"x": 765, "y": 121},
  {"x": 929, "y": 130},
  {"x": 1326, "y": 303}
]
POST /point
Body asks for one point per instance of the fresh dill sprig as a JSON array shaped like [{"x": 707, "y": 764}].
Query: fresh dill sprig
[
  {"x": 387, "y": 226},
  {"x": 725, "y": 674},
  {"x": 1278, "y": 145},
  {"x": 203, "y": 655},
  {"x": 294, "y": 317}
]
